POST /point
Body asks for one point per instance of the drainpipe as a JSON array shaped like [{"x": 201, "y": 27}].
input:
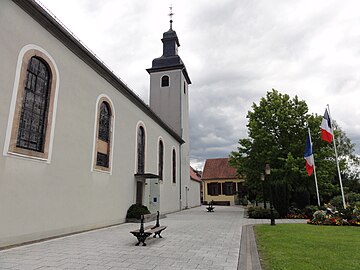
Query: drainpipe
[
  {"x": 180, "y": 174},
  {"x": 180, "y": 148}
]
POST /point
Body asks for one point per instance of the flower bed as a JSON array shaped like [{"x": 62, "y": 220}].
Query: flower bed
[{"x": 336, "y": 218}]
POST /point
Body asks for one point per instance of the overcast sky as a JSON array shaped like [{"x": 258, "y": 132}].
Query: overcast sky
[{"x": 235, "y": 51}]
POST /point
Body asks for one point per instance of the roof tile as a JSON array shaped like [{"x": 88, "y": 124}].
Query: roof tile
[{"x": 218, "y": 168}]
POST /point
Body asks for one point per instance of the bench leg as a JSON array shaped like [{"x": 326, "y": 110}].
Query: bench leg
[
  {"x": 141, "y": 239},
  {"x": 158, "y": 233}
]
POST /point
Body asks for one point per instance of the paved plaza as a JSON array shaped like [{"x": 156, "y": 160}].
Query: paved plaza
[{"x": 194, "y": 239}]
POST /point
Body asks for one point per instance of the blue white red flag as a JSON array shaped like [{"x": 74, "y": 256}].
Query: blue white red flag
[
  {"x": 309, "y": 157},
  {"x": 326, "y": 130}
]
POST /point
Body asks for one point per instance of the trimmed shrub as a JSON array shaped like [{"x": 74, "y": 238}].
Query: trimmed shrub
[
  {"x": 136, "y": 210},
  {"x": 258, "y": 212},
  {"x": 280, "y": 198},
  {"x": 301, "y": 197},
  {"x": 351, "y": 199}
]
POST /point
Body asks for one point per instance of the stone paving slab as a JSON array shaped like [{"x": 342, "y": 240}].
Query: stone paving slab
[{"x": 195, "y": 239}]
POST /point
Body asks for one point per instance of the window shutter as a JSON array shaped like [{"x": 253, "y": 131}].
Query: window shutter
[
  {"x": 224, "y": 189},
  {"x": 209, "y": 191}
]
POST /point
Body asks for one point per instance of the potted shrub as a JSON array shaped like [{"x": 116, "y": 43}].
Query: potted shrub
[{"x": 135, "y": 211}]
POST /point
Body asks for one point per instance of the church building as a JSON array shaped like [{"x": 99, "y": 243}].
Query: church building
[{"x": 78, "y": 146}]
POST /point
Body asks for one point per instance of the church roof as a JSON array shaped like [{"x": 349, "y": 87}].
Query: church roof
[
  {"x": 218, "y": 168},
  {"x": 59, "y": 31},
  {"x": 194, "y": 175}
]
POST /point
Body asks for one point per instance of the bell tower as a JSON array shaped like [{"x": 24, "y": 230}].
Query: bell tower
[
  {"x": 169, "y": 83},
  {"x": 169, "y": 97}
]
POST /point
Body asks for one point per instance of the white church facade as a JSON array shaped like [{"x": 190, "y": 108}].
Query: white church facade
[{"x": 78, "y": 147}]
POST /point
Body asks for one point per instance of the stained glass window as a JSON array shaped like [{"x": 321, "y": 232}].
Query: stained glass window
[
  {"x": 33, "y": 116},
  {"x": 174, "y": 166},
  {"x": 141, "y": 150},
  {"x": 104, "y": 122},
  {"x": 161, "y": 159},
  {"x": 102, "y": 155},
  {"x": 102, "y": 160}
]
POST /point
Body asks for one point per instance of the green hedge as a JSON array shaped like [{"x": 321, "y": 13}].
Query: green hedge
[{"x": 258, "y": 212}]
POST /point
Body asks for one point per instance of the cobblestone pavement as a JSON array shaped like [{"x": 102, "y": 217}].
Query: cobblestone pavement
[{"x": 194, "y": 239}]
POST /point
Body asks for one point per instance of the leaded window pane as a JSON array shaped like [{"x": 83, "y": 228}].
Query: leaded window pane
[
  {"x": 102, "y": 160},
  {"x": 104, "y": 122},
  {"x": 34, "y": 109},
  {"x": 141, "y": 150},
  {"x": 174, "y": 166},
  {"x": 161, "y": 160}
]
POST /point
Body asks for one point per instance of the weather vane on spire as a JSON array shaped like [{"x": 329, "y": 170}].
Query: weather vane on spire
[{"x": 170, "y": 15}]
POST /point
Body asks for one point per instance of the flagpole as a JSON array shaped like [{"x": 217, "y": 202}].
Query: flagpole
[
  {"x": 316, "y": 184},
  {"x": 336, "y": 158}
]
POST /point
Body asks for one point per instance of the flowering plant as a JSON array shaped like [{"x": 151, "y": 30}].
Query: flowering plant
[{"x": 338, "y": 218}]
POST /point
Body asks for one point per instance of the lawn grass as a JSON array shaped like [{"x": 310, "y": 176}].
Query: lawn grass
[{"x": 304, "y": 246}]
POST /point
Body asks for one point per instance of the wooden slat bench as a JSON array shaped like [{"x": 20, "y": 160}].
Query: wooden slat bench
[{"x": 144, "y": 232}]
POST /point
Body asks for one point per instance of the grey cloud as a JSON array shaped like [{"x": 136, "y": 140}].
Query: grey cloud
[{"x": 236, "y": 51}]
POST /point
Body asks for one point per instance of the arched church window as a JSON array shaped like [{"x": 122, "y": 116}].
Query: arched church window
[
  {"x": 33, "y": 116},
  {"x": 104, "y": 127},
  {"x": 174, "y": 166},
  {"x": 161, "y": 160},
  {"x": 34, "y": 100},
  {"x": 165, "y": 81},
  {"x": 104, "y": 122},
  {"x": 141, "y": 150}
]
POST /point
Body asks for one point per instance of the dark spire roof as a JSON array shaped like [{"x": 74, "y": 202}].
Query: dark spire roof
[
  {"x": 170, "y": 58},
  {"x": 170, "y": 55}
]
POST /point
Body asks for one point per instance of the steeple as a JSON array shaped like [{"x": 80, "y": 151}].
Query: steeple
[
  {"x": 169, "y": 99},
  {"x": 169, "y": 83},
  {"x": 170, "y": 58}
]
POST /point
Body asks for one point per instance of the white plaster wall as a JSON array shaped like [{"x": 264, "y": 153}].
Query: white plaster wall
[
  {"x": 38, "y": 199},
  {"x": 194, "y": 193},
  {"x": 172, "y": 105},
  {"x": 165, "y": 101}
]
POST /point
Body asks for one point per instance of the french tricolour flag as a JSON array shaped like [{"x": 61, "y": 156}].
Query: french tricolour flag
[
  {"x": 326, "y": 130},
  {"x": 308, "y": 156}
]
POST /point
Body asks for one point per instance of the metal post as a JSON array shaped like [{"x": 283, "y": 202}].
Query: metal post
[
  {"x": 272, "y": 219},
  {"x": 262, "y": 177}
]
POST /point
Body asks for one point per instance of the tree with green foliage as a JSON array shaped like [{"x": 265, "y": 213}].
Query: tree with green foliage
[{"x": 277, "y": 132}]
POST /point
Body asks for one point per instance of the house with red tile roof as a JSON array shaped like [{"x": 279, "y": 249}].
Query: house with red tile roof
[{"x": 221, "y": 182}]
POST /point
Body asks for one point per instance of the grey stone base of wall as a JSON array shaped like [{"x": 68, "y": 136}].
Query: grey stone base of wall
[{"x": 249, "y": 256}]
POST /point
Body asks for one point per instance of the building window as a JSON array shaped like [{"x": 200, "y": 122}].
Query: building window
[
  {"x": 34, "y": 108},
  {"x": 174, "y": 166},
  {"x": 184, "y": 88},
  {"x": 214, "y": 189},
  {"x": 141, "y": 150},
  {"x": 31, "y": 134},
  {"x": 104, "y": 122},
  {"x": 228, "y": 188},
  {"x": 165, "y": 81},
  {"x": 104, "y": 126},
  {"x": 161, "y": 160}
]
